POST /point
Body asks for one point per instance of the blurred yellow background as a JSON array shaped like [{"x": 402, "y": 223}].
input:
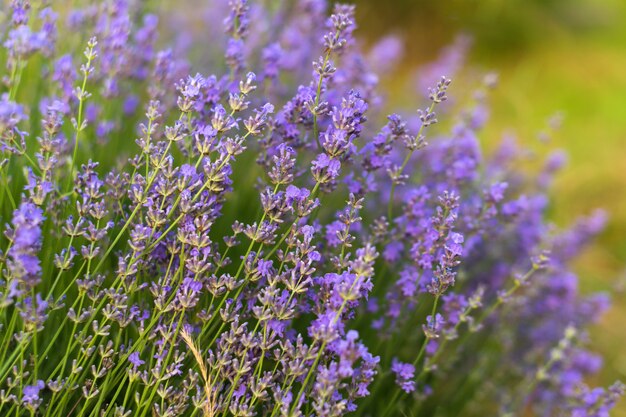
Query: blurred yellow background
[{"x": 551, "y": 55}]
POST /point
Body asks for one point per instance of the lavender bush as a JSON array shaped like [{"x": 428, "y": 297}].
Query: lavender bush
[{"x": 265, "y": 241}]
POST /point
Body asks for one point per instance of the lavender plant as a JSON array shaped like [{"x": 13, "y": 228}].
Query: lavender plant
[{"x": 259, "y": 238}]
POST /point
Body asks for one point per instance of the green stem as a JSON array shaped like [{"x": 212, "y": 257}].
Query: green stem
[
  {"x": 79, "y": 121},
  {"x": 407, "y": 158}
]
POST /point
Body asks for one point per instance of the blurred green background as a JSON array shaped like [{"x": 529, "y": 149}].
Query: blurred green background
[{"x": 551, "y": 55}]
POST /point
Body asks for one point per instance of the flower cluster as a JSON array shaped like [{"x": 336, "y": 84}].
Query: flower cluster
[{"x": 258, "y": 238}]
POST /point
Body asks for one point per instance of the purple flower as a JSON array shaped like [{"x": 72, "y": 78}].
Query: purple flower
[
  {"x": 134, "y": 359},
  {"x": 26, "y": 237},
  {"x": 265, "y": 268},
  {"x": 30, "y": 394},
  {"x": 405, "y": 373}
]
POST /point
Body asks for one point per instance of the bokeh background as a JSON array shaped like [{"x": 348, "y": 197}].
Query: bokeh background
[{"x": 566, "y": 56}]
